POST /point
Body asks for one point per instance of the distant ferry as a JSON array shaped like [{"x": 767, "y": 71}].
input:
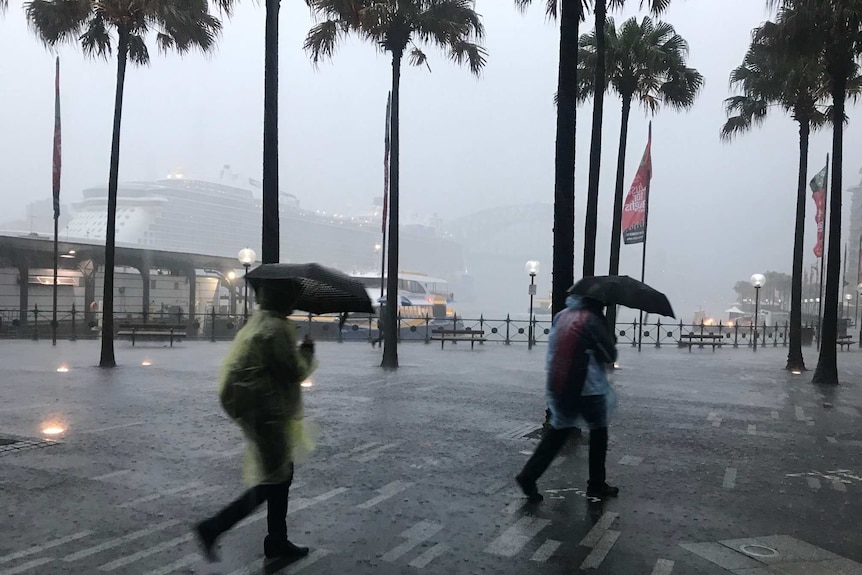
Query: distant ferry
[
  {"x": 194, "y": 216},
  {"x": 420, "y": 295}
]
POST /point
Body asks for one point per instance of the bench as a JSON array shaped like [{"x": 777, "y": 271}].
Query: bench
[
  {"x": 456, "y": 335},
  {"x": 701, "y": 339},
  {"x": 152, "y": 331},
  {"x": 845, "y": 341}
]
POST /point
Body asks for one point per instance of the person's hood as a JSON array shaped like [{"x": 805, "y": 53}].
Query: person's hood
[{"x": 575, "y": 302}]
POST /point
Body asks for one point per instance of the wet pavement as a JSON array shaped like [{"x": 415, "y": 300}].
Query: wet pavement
[{"x": 726, "y": 464}]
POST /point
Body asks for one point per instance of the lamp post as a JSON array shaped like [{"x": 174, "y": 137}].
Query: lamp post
[
  {"x": 231, "y": 275},
  {"x": 532, "y": 268},
  {"x": 246, "y": 258},
  {"x": 757, "y": 280}
]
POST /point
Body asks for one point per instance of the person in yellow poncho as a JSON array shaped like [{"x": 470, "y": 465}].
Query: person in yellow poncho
[{"x": 260, "y": 390}]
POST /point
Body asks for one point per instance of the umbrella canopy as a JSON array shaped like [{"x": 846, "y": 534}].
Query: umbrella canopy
[
  {"x": 625, "y": 291},
  {"x": 322, "y": 289}
]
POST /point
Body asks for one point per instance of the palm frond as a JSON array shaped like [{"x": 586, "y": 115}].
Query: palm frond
[
  {"x": 552, "y": 7},
  {"x": 772, "y": 72},
  {"x": 748, "y": 111},
  {"x": 179, "y": 26},
  {"x": 96, "y": 40},
  {"x": 474, "y": 55},
  {"x": 189, "y": 24},
  {"x": 644, "y": 61},
  {"x": 322, "y": 39},
  {"x": 226, "y": 6},
  {"x": 57, "y": 21},
  {"x": 682, "y": 88},
  {"x": 138, "y": 53},
  {"x": 418, "y": 58},
  {"x": 656, "y": 7},
  {"x": 447, "y": 22}
]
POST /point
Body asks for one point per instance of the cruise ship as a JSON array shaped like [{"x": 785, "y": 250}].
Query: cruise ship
[{"x": 219, "y": 218}]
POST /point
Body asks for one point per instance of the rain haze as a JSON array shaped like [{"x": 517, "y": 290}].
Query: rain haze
[{"x": 719, "y": 211}]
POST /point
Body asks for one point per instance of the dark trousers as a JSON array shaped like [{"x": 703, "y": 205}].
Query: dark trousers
[
  {"x": 551, "y": 443},
  {"x": 275, "y": 496}
]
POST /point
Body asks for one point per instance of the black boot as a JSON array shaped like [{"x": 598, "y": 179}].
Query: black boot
[
  {"x": 597, "y": 486},
  {"x": 529, "y": 488},
  {"x": 278, "y": 547},
  {"x": 206, "y": 536},
  {"x": 550, "y": 444},
  {"x": 602, "y": 491}
]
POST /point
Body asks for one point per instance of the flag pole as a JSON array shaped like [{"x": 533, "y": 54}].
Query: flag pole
[
  {"x": 646, "y": 230},
  {"x": 823, "y": 252},
  {"x": 844, "y": 283},
  {"x": 56, "y": 196},
  {"x": 385, "y": 193}
]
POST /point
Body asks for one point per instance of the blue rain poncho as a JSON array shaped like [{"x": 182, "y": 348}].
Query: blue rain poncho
[
  {"x": 260, "y": 390},
  {"x": 579, "y": 347}
]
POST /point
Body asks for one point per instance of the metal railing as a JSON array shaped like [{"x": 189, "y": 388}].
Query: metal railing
[{"x": 213, "y": 326}]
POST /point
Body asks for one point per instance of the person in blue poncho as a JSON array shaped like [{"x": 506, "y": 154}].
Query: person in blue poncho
[
  {"x": 577, "y": 391},
  {"x": 260, "y": 391}
]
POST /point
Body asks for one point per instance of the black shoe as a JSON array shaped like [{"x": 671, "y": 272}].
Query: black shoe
[
  {"x": 603, "y": 491},
  {"x": 206, "y": 537},
  {"x": 529, "y": 489},
  {"x": 282, "y": 549}
]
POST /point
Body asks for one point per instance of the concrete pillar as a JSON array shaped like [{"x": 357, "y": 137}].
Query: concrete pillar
[
  {"x": 144, "y": 270},
  {"x": 89, "y": 295},
  {"x": 191, "y": 275},
  {"x": 23, "y": 289},
  {"x": 232, "y": 290}
]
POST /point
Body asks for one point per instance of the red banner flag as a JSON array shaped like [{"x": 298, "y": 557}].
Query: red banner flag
[
  {"x": 859, "y": 269},
  {"x": 818, "y": 187},
  {"x": 386, "y": 161},
  {"x": 57, "y": 146},
  {"x": 634, "y": 210}
]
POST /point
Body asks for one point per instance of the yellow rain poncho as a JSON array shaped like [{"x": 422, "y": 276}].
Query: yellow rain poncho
[{"x": 260, "y": 390}]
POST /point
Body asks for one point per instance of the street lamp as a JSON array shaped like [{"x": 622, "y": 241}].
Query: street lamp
[
  {"x": 246, "y": 258},
  {"x": 532, "y": 268},
  {"x": 757, "y": 280}
]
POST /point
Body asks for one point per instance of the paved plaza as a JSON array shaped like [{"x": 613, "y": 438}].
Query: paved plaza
[{"x": 725, "y": 462}]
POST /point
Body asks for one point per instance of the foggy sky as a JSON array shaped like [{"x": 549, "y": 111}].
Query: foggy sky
[{"x": 719, "y": 212}]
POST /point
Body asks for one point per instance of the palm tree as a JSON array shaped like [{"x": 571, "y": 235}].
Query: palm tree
[
  {"x": 770, "y": 77},
  {"x": 270, "y": 231},
  {"x": 395, "y": 26},
  {"x": 591, "y": 225},
  {"x": 179, "y": 25},
  {"x": 645, "y": 63},
  {"x": 570, "y": 12},
  {"x": 829, "y": 31}
]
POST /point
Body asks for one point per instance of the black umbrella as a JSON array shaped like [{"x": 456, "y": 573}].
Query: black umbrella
[
  {"x": 625, "y": 291},
  {"x": 322, "y": 290}
]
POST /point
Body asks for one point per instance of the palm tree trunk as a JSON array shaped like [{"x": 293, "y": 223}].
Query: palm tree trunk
[
  {"x": 591, "y": 225},
  {"x": 390, "y": 321},
  {"x": 616, "y": 227},
  {"x": 795, "y": 361},
  {"x": 563, "y": 268},
  {"x": 827, "y": 364},
  {"x": 270, "y": 229},
  {"x": 107, "y": 358}
]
